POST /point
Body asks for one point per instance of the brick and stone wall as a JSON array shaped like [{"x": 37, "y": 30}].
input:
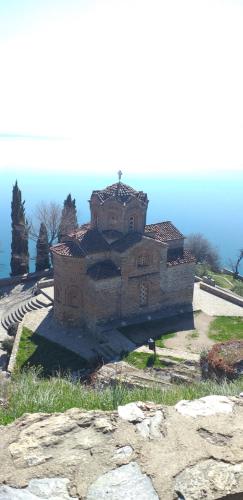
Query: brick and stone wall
[{"x": 115, "y": 215}]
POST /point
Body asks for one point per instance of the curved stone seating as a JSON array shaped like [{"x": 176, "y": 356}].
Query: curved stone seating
[{"x": 15, "y": 315}]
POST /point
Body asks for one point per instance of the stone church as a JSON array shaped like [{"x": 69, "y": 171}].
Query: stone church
[{"x": 117, "y": 268}]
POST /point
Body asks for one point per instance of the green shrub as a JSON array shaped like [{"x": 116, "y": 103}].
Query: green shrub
[{"x": 7, "y": 344}]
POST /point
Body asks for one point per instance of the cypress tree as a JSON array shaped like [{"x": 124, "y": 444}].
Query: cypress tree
[
  {"x": 42, "y": 250},
  {"x": 69, "y": 218},
  {"x": 19, "y": 246}
]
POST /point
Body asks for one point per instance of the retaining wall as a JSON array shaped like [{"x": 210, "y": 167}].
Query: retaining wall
[
  {"x": 12, "y": 359},
  {"x": 222, "y": 294},
  {"x": 15, "y": 280}
]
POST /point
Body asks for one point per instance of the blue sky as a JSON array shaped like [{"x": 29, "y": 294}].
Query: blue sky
[{"x": 143, "y": 85}]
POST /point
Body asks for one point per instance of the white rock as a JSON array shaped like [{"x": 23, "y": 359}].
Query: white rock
[
  {"x": 144, "y": 427},
  {"x": 38, "y": 489},
  {"x": 150, "y": 426},
  {"x": 130, "y": 412},
  {"x": 126, "y": 482},
  {"x": 209, "y": 405},
  {"x": 124, "y": 451},
  {"x": 49, "y": 487},
  {"x": 209, "y": 479}
]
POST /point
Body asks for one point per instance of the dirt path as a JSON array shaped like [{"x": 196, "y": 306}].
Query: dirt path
[
  {"x": 164, "y": 352},
  {"x": 193, "y": 340}
]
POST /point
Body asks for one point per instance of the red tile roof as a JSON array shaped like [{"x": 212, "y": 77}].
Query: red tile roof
[
  {"x": 81, "y": 243},
  {"x": 185, "y": 258},
  {"x": 163, "y": 231},
  {"x": 87, "y": 241},
  {"x": 120, "y": 192}
]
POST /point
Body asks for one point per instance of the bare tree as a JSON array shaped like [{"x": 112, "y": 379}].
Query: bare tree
[
  {"x": 42, "y": 250},
  {"x": 48, "y": 213},
  {"x": 203, "y": 251},
  {"x": 234, "y": 265}
]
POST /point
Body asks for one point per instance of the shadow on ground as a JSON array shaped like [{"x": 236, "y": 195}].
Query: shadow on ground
[
  {"x": 140, "y": 333},
  {"x": 50, "y": 357}
]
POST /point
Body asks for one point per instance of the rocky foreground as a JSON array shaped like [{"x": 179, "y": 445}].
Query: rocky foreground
[{"x": 144, "y": 451}]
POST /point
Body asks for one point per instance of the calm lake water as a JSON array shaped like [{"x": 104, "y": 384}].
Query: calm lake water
[{"x": 209, "y": 205}]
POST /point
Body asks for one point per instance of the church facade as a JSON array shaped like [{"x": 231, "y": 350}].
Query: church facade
[{"x": 118, "y": 268}]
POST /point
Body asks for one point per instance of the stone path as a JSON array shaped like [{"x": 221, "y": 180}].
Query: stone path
[
  {"x": 212, "y": 305},
  {"x": 192, "y": 341},
  {"x": 164, "y": 352},
  {"x": 48, "y": 292}
]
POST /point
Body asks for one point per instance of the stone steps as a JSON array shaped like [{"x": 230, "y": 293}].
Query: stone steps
[{"x": 16, "y": 314}]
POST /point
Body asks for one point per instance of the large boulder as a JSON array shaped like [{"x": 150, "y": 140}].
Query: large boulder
[
  {"x": 192, "y": 451},
  {"x": 224, "y": 360}
]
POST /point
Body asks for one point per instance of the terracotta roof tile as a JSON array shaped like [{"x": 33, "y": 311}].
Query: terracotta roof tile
[
  {"x": 163, "y": 231},
  {"x": 68, "y": 249},
  {"x": 81, "y": 243},
  {"x": 120, "y": 192},
  {"x": 103, "y": 270},
  {"x": 78, "y": 233},
  {"x": 184, "y": 258}
]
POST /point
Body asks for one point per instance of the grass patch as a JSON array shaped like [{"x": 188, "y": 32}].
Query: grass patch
[
  {"x": 28, "y": 393},
  {"x": 35, "y": 350},
  {"x": 160, "y": 342},
  {"x": 226, "y": 328},
  {"x": 238, "y": 288},
  {"x": 193, "y": 335},
  {"x": 143, "y": 360},
  {"x": 222, "y": 280}
]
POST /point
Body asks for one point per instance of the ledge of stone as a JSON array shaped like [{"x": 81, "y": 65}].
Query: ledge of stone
[{"x": 145, "y": 451}]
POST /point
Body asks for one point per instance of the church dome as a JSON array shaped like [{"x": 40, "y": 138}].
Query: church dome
[
  {"x": 120, "y": 192},
  {"x": 118, "y": 209}
]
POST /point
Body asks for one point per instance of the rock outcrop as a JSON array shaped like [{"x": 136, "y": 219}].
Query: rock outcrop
[{"x": 193, "y": 451}]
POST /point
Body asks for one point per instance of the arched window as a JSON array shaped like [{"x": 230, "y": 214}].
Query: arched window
[
  {"x": 131, "y": 223},
  {"x": 143, "y": 294}
]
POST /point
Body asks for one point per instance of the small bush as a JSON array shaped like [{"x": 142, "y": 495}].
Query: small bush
[
  {"x": 224, "y": 360},
  {"x": 12, "y": 329},
  {"x": 7, "y": 344}
]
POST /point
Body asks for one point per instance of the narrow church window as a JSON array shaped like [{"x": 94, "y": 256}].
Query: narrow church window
[
  {"x": 143, "y": 260},
  {"x": 143, "y": 294},
  {"x": 113, "y": 219},
  {"x": 131, "y": 223},
  {"x": 95, "y": 219}
]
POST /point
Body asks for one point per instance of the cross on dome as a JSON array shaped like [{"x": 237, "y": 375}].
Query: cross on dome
[{"x": 119, "y": 173}]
